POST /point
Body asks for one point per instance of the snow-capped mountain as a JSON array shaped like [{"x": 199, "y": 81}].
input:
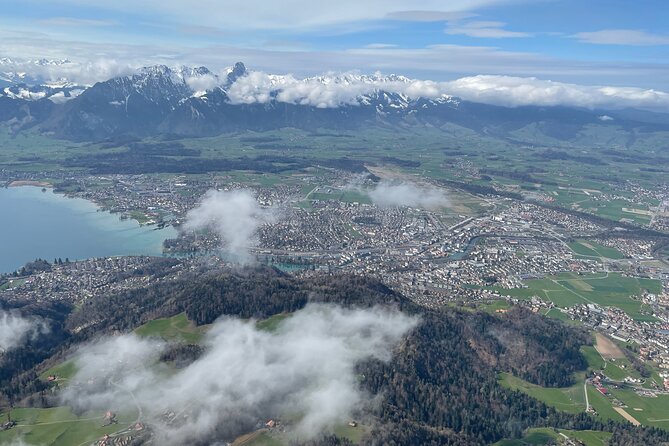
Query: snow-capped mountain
[
  {"x": 29, "y": 80},
  {"x": 194, "y": 101}
]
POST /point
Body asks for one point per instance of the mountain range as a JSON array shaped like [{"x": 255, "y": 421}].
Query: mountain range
[{"x": 193, "y": 102}]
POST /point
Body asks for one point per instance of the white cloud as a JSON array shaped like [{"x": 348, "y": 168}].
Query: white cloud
[
  {"x": 435, "y": 60},
  {"x": 517, "y": 91},
  {"x": 83, "y": 73},
  {"x": 285, "y": 15},
  {"x": 307, "y": 367},
  {"x": 622, "y": 37},
  {"x": 203, "y": 82},
  {"x": 335, "y": 90},
  {"x": 388, "y": 194},
  {"x": 15, "y": 329},
  {"x": 96, "y": 59},
  {"x": 483, "y": 29},
  {"x": 234, "y": 216}
]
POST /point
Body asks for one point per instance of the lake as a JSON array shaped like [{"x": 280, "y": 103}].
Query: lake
[{"x": 36, "y": 224}]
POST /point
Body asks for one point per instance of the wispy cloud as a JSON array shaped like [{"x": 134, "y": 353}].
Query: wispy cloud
[
  {"x": 380, "y": 46},
  {"x": 622, "y": 37},
  {"x": 288, "y": 14},
  {"x": 16, "y": 329},
  {"x": 234, "y": 216},
  {"x": 484, "y": 29},
  {"x": 389, "y": 194},
  {"x": 429, "y": 16},
  {"x": 72, "y": 21},
  {"x": 94, "y": 61}
]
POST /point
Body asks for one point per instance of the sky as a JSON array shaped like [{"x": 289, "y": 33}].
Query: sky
[{"x": 593, "y": 42}]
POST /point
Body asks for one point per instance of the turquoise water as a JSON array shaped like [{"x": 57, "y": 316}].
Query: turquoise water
[{"x": 46, "y": 225}]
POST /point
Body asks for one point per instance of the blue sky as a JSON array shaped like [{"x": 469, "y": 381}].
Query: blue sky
[{"x": 593, "y": 42}]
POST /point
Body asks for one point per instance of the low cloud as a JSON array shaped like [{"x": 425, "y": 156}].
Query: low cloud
[
  {"x": 306, "y": 368},
  {"x": 518, "y": 91},
  {"x": 387, "y": 194},
  {"x": 16, "y": 329},
  {"x": 203, "y": 82},
  {"x": 82, "y": 73},
  {"x": 327, "y": 91},
  {"x": 330, "y": 90},
  {"x": 234, "y": 216}
]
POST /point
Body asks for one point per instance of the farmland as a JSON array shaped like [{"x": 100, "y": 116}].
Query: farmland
[{"x": 605, "y": 289}]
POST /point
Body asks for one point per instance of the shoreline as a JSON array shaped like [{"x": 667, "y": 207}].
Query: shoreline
[{"x": 100, "y": 207}]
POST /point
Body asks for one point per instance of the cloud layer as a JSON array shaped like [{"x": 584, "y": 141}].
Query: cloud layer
[
  {"x": 15, "y": 329},
  {"x": 344, "y": 88},
  {"x": 335, "y": 90},
  {"x": 387, "y": 194},
  {"x": 306, "y": 368},
  {"x": 234, "y": 216}
]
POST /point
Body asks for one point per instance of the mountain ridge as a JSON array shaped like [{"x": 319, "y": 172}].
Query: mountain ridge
[{"x": 194, "y": 102}]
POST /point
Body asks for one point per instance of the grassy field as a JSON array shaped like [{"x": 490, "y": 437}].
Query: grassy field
[
  {"x": 543, "y": 436},
  {"x": 58, "y": 426},
  {"x": 63, "y": 371},
  {"x": 592, "y": 249},
  {"x": 175, "y": 328},
  {"x": 569, "y": 399},
  {"x": 608, "y": 290},
  {"x": 272, "y": 323},
  {"x": 651, "y": 411}
]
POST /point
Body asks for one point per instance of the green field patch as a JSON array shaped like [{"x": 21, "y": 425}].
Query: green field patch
[
  {"x": 654, "y": 410},
  {"x": 613, "y": 210},
  {"x": 495, "y": 306},
  {"x": 58, "y": 426},
  {"x": 556, "y": 313},
  {"x": 272, "y": 323},
  {"x": 569, "y": 399},
  {"x": 322, "y": 196},
  {"x": 543, "y": 436},
  {"x": 175, "y": 328},
  {"x": 355, "y": 197},
  {"x": 590, "y": 438},
  {"x": 63, "y": 371},
  {"x": 592, "y": 356},
  {"x": 619, "y": 369},
  {"x": 593, "y": 249},
  {"x": 602, "y": 405},
  {"x": 354, "y": 434}
]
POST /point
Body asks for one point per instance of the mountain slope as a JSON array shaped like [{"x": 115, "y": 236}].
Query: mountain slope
[{"x": 195, "y": 102}]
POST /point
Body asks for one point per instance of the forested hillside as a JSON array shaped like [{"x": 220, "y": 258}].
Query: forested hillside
[{"x": 440, "y": 387}]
